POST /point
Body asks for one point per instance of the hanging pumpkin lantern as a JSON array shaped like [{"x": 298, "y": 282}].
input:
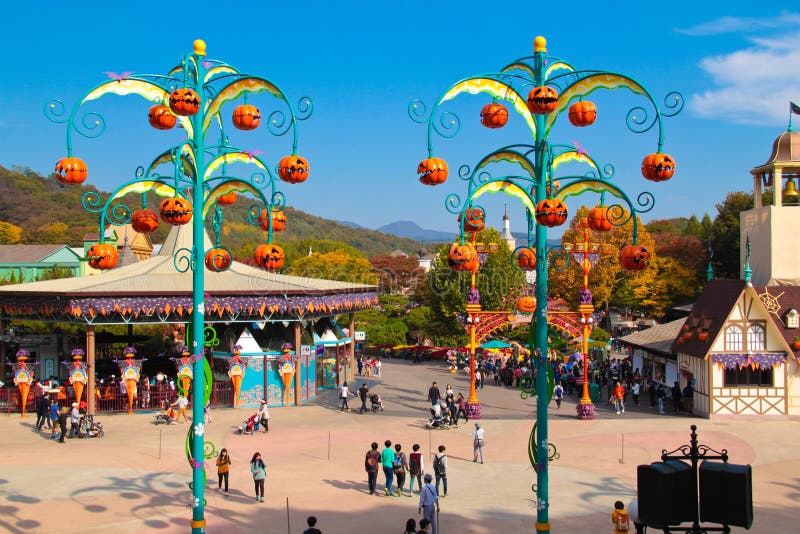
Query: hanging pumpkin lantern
[
  {"x": 598, "y": 219},
  {"x": 582, "y": 113},
  {"x": 70, "y": 171},
  {"x": 218, "y": 259},
  {"x": 246, "y": 117},
  {"x": 526, "y": 259},
  {"x": 293, "y": 169},
  {"x": 527, "y": 304},
  {"x": 102, "y": 256},
  {"x": 475, "y": 220},
  {"x": 542, "y": 100},
  {"x": 144, "y": 221},
  {"x": 551, "y": 212},
  {"x": 161, "y": 118},
  {"x": 269, "y": 257},
  {"x": 658, "y": 167},
  {"x": 463, "y": 258},
  {"x": 494, "y": 115},
  {"x": 634, "y": 258},
  {"x": 176, "y": 211},
  {"x": 227, "y": 200},
  {"x": 184, "y": 101},
  {"x": 278, "y": 221},
  {"x": 432, "y": 171}
]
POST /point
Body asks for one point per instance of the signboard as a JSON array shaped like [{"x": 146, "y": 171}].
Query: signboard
[
  {"x": 305, "y": 350},
  {"x": 360, "y": 336}
]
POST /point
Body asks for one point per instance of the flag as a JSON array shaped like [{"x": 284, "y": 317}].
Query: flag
[{"x": 794, "y": 108}]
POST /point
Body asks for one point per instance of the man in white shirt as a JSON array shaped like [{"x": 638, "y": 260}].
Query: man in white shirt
[
  {"x": 263, "y": 415},
  {"x": 181, "y": 403},
  {"x": 477, "y": 442}
]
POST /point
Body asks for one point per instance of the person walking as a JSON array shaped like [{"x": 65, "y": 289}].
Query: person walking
[
  {"x": 62, "y": 423},
  {"x": 42, "y": 412},
  {"x": 416, "y": 468},
  {"x": 619, "y": 395},
  {"x": 371, "y": 462},
  {"x": 660, "y": 396},
  {"x": 387, "y": 461},
  {"x": 258, "y": 468},
  {"x": 434, "y": 394},
  {"x": 223, "y": 466},
  {"x": 620, "y": 519},
  {"x": 676, "y": 397},
  {"x": 343, "y": 394},
  {"x": 263, "y": 415},
  {"x": 360, "y": 362},
  {"x": 477, "y": 443},
  {"x": 558, "y": 395},
  {"x": 75, "y": 421},
  {"x": 429, "y": 503},
  {"x": 400, "y": 469},
  {"x": 461, "y": 409},
  {"x": 440, "y": 469},
  {"x": 363, "y": 394},
  {"x": 635, "y": 390},
  {"x": 377, "y": 368},
  {"x": 54, "y": 409},
  {"x": 311, "y": 521}
]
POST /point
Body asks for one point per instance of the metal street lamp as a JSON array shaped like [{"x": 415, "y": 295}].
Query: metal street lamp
[
  {"x": 192, "y": 95},
  {"x": 552, "y": 85}
]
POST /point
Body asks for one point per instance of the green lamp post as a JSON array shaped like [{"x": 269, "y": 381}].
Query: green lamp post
[
  {"x": 552, "y": 86},
  {"x": 192, "y": 95}
]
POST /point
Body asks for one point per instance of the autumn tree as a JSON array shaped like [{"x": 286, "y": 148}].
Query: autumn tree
[
  {"x": 661, "y": 286},
  {"x": 9, "y": 234},
  {"x": 336, "y": 265},
  {"x": 396, "y": 272}
]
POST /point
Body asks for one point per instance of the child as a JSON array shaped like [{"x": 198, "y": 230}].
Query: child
[
  {"x": 619, "y": 517},
  {"x": 259, "y": 470},
  {"x": 312, "y": 528},
  {"x": 223, "y": 467}
]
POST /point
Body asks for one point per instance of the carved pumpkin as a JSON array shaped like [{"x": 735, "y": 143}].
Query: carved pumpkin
[
  {"x": 71, "y": 171},
  {"x": 582, "y": 113},
  {"x": 526, "y": 259},
  {"x": 144, "y": 221},
  {"x": 278, "y": 221},
  {"x": 542, "y": 100},
  {"x": 551, "y": 212},
  {"x": 598, "y": 219},
  {"x": 634, "y": 258},
  {"x": 218, "y": 259},
  {"x": 463, "y": 258},
  {"x": 227, "y": 200},
  {"x": 176, "y": 211},
  {"x": 702, "y": 336},
  {"x": 293, "y": 169},
  {"x": 102, "y": 256},
  {"x": 184, "y": 102},
  {"x": 494, "y": 115},
  {"x": 246, "y": 117},
  {"x": 554, "y": 189},
  {"x": 658, "y": 167},
  {"x": 161, "y": 118},
  {"x": 432, "y": 171},
  {"x": 269, "y": 257},
  {"x": 526, "y": 304},
  {"x": 796, "y": 343},
  {"x": 475, "y": 220}
]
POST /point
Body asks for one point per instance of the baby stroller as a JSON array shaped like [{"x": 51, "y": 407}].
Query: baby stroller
[
  {"x": 376, "y": 402},
  {"x": 249, "y": 425},
  {"x": 91, "y": 428},
  {"x": 440, "y": 417},
  {"x": 163, "y": 417}
]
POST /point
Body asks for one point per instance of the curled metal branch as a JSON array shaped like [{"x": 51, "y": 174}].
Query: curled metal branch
[
  {"x": 56, "y": 111},
  {"x": 278, "y": 201},
  {"x": 673, "y": 104},
  {"x": 418, "y": 111},
  {"x": 118, "y": 214},
  {"x": 646, "y": 202},
  {"x": 465, "y": 172},
  {"x": 638, "y": 120},
  {"x": 453, "y": 203},
  {"x": 92, "y": 202},
  {"x": 259, "y": 180},
  {"x": 305, "y": 108},
  {"x": 448, "y": 125},
  {"x": 558, "y": 257},
  {"x": 185, "y": 259},
  {"x": 617, "y": 215},
  {"x": 254, "y": 213},
  {"x": 91, "y": 125},
  {"x": 277, "y": 124}
]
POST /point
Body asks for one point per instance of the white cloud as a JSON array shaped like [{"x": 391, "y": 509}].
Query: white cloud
[
  {"x": 753, "y": 85},
  {"x": 742, "y": 24}
]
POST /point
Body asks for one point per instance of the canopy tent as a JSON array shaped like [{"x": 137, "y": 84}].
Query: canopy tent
[{"x": 495, "y": 344}]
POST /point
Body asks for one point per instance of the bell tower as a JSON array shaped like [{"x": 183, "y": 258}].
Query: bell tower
[{"x": 773, "y": 229}]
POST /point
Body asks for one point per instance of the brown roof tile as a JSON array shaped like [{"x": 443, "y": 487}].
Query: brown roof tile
[
  {"x": 26, "y": 253},
  {"x": 658, "y": 338}
]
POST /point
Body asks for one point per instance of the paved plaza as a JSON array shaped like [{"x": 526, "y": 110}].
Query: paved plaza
[{"x": 135, "y": 478}]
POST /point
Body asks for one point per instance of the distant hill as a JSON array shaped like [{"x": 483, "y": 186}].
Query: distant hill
[{"x": 412, "y": 230}]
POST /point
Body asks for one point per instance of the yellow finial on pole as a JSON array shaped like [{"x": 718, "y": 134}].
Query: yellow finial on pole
[
  {"x": 200, "y": 47},
  {"x": 540, "y": 44}
]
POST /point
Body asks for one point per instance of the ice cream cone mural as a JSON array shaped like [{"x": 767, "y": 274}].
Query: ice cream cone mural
[
  {"x": 77, "y": 373},
  {"x": 236, "y": 370},
  {"x": 23, "y": 377},
  {"x": 286, "y": 371},
  {"x": 185, "y": 372},
  {"x": 130, "y": 369}
]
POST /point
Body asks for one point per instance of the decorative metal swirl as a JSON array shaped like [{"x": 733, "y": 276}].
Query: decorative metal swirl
[
  {"x": 305, "y": 108},
  {"x": 673, "y": 102},
  {"x": 254, "y": 214},
  {"x": 259, "y": 179},
  {"x": 277, "y": 123},
  {"x": 558, "y": 257},
  {"x": 139, "y": 172},
  {"x": 453, "y": 203},
  {"x": 418, "y": 111},
  {"x": 278, "y": 201},
  {"x": 638, "y": 120},
  {"x": 465, "y": 172},
  {"x": 92, "y": 202},
  {"x": 210, "y": 450},
  {"x": 90, "y": 122},
  {"x": 448, "y": 125},
  {"x": 646, "y": 202},
  {"x": 210, "y": 338},
  {"x": 184, "y": 259},
  {"x": 55, "y": 111},
  {"x": 118, "y": 214}
]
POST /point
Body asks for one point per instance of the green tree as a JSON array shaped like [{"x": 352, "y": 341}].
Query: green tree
[
  {"x": 55, "y": 272},
  {"x": 336, "y": 265},
  {"x": 725, "y": 233}
]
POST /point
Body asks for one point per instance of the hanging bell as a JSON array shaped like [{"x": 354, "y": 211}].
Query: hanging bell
[{"x": 790, "y": 193}]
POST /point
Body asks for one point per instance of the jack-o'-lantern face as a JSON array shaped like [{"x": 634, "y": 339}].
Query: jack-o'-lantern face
[
  {"x": 494, "y": 115},
  {"x": 102, "y": 256},
  {"x": 542, "y": 100},
  {"x": 161, "y": 118},
  {"x": 582, "y": 113},
  {"x": 184, "y": 102},
  {"x": 463, "y": 258},
  {"x": 526, "y": 259},
  {"x": 176, "y": 211},
  {"x": 246, "y": 117},
  {"x": 475, "y": 220},
  {"x": 269, "y": 257},
  {"x": 218, "y": 259},
  {"x": 658, "y": 167},
  {"x": 551, "y": 212},
  {"x": 432, "y": 171},
  {"x": 144, "y": 221},
  {"x": 634, "y": 257},
  {"x": 526, "y": 304},
  {"x": 71, "y": 171},
  {"x": 293, "y": 169},
  {"x": 278, "y": 221},
  {"x": 598, "y": 219}
]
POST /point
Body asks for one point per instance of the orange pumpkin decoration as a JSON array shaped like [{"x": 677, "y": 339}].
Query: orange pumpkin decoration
[
  {"x": 278, "y": 221},
  {"x": 293, "y": 169},
  {"x": 102, "y": 256},
  {"x": 269, "y": 257},
  {"x": 542, "y": 100},
  {"x": 184, "y": 101},
  {"x": 475, "y": 220},
  {"x": 551, "y": 212},
  {"x": 658, "y": 167},
  {"x": 176, "y": 211},
  {"x": 463, "y": 258},
  {"x": 494, "y": 115},
  {"x": 526, "y": 259},
  {"x": 796, "y": 343},
  {"x": 246, "y": 117},
  {"x": 227, "y": 200},
  {"x": 598, "y": 219},
  {"x": 144, "y": 221},
  {"x": 702, "y": 336},
  {"x": 582, "y": 113},
  {"x": 218, "y": 259},
  {"x": 432, "y": 171},
  {"x": 526, "y": 304},
  {"x": 554, "y": 189},
  {"x": 161, "y": 118},
  {"x": 634, "y": 258},
  {"x": 70, "y": 171}
]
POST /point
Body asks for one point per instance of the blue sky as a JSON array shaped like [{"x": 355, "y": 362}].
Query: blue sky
[{"x": 362, "y": 62}]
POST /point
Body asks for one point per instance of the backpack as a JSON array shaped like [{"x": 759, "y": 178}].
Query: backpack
[
  {"x": 622, "y": 524},
  {"x": 414, "y": 463},
  {"x": 397, "y": 463},
  {"x": 438, "y": 466},
  {"x": 372, "y": 461}
]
